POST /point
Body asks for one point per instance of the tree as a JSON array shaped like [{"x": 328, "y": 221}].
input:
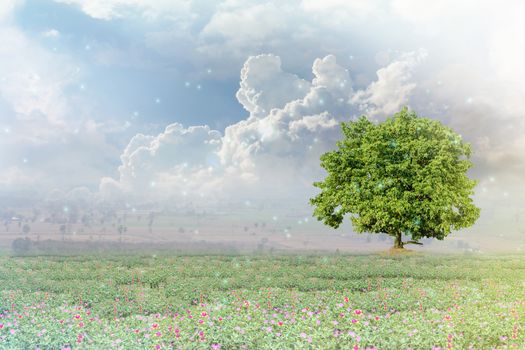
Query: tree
[
  {"x": 406, "y": 175},
  {"x": 63, "y": 231},
  {"x": 26, "y": 228},
  {"x": 121, "y": 230},
  {"x": 21, "y": 246}
]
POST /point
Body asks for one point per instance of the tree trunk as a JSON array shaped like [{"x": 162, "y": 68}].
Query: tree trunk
[{"x": 398, "y": 244}]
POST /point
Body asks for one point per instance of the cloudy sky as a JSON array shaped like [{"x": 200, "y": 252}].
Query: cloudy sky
[{"x": 235, "y": 100}]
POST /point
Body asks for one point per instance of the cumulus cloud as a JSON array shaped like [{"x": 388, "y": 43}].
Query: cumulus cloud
[
  {"x": 274, "y": 152},
  {"x": 260, "y": 72},
  {"x": 392, "y": 87},
  {"x": 177, "y": 162}
]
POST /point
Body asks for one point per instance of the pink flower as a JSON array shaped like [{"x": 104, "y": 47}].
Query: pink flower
[
  {"x": 358, "y": 312},
  {"x": 354, "y": 320},
  {"x": 356, "y": 347},
  {"x": 204, "y": 314},
  {"x": 216, "y": 346},
  {"x": 157, "y": 347},
  {"x": 158, "y": 334}
]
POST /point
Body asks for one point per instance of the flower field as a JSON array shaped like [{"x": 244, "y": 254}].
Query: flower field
[{"x": 261, "y": 302}]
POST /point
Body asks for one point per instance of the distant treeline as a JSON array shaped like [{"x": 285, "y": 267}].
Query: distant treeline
[{"x": 26, "y": 246}]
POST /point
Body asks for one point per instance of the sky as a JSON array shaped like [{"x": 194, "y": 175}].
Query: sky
[{"x": 234, "y": 101}]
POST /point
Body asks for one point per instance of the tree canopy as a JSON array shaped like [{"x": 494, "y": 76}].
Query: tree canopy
[{"x": 406, "y": 175}]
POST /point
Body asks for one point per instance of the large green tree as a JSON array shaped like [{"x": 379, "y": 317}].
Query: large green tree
[{"x": 406, "y": 175}]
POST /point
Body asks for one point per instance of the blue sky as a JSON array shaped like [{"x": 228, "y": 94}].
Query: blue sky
[
  {"x": 213, "y": 100},
  {"x": 152, "y": 85}
]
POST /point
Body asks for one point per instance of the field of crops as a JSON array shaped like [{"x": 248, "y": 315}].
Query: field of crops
[{"x": 260, "y": 302}]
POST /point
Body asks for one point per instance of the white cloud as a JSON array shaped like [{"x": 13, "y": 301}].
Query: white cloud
[
  {"x": 33, "y": 83},
  {"x": 245, "y": 23},
  {"x": 51, "y": 33},
  {"x": 344, "y": 13},
  {"x": 14, "y": 178},
  {"x": 7, "y": 7},
  {"x": 392, "y": 88},
  {"x": 260, "y": 72},
  {"x": 332, "y": 76},
  {"x": 272, "y": 154},
  {"x": 47, "y": 139},
  {"x": 180, "y": 161}
]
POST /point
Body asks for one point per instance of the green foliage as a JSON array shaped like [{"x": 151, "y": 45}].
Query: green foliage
[
  {"x": 21, "y": 246},
  {"x": 283, "y": 302},
  {"x": 405, "y": 175}
]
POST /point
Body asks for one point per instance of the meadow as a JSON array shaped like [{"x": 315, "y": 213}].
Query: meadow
[{"x": 373, "y": 301}]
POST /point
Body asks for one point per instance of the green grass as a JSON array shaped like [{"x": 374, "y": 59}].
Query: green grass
[{"x": 259, "y": 302}]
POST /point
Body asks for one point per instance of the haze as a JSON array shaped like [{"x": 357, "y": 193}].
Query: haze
[{"x": 201, "y": 123}]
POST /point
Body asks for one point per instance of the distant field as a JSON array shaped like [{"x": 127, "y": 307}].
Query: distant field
[
  {"x": 261, "y": 302},
  {"x": 244, "y": 234}
]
